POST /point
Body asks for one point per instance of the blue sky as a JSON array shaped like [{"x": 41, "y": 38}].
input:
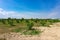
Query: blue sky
[{"x": 30, "y": 8}]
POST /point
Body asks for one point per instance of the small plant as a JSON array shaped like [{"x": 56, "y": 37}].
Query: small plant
[
  {"x": 29, "y": 26},
  {"x": 17, "y": 30},
  {"x": 32, "y": 32}
]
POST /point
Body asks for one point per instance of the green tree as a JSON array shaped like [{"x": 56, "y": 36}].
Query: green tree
[{"x": 22, "y": 19}]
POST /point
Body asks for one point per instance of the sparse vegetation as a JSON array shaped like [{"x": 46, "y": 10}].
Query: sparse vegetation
[
  {"x": 29, "y": 26},
  {"x": 32, "y": 32},
  {"x": 25, "y": 25}
]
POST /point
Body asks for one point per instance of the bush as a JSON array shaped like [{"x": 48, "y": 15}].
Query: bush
[
  {"x": 11, "y": 22},
  {"x": 17, "y": 21},
  {"x": 3, "y": 21},
  {"x": 29, "y": 26},
  {"x": 17, "y": 30},
  {"x": 42, "y": 23},
  {"x": 31, "y": 32},
  {"x": 22, "y": 19}
]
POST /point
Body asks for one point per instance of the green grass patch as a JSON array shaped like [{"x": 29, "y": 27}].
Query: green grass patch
[
  {"x": 18, "y": 30},
  {"x": 31, "y": 32},
  {"x": 27, "y": 32}
]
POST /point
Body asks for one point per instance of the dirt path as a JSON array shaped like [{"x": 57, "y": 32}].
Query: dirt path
[{"x": 52, "y": 33}]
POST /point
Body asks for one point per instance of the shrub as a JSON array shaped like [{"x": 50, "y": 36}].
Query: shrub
[
  {"x": 42, "y": 23},
  {"x": 29, "y": 26},
  {"x": 17, "y": 30},
  {"x": 22, "y": 19},
  {"x": 17, "y": 21},
  {"x": 3, "y": 21},
  {"x": 11, "y": 22},
  {"x": 31, "y": 32}
]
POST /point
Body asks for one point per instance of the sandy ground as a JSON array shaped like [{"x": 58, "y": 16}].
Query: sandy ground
[{"x": 49, "y": 33}]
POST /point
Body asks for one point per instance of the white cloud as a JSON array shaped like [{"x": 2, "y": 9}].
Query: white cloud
[
  {"x": 3, "y": 12},
  {"x": 6, "y": 14},
  {"x": 54, "y": 12},
  {"x": 1, "y": 9},
  {"x": 13, "y": 14}
]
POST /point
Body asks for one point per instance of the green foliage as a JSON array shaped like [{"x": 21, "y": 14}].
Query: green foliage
[
  {"x": 17, "y": 30},
  {"x": 17, "y": 21},
  {"x": 9, "y": 18},
  {"x": 3, "y": 21},
  {"x": 29, "y": 26},
  {"x": 36, "y": 21},
  {"x": 11, "y": 22},
  {"x": 27, "y": 32},
  {"x": 31, "y": 32},
  {"x": 22, "y": 19},
  {"x": 27, "y": 21},
  {"x": 25, "y": 26},
  {"x": 42, "y": 23}
]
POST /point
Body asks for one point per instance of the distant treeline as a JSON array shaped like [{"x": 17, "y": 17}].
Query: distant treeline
[{"x": 36, "y": 22}]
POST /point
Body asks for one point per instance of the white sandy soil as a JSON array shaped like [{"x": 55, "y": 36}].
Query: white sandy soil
[{"x": 49, "y": 33}]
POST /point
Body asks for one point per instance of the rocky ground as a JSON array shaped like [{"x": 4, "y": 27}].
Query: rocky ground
[{"x": 49, "y": 33}]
